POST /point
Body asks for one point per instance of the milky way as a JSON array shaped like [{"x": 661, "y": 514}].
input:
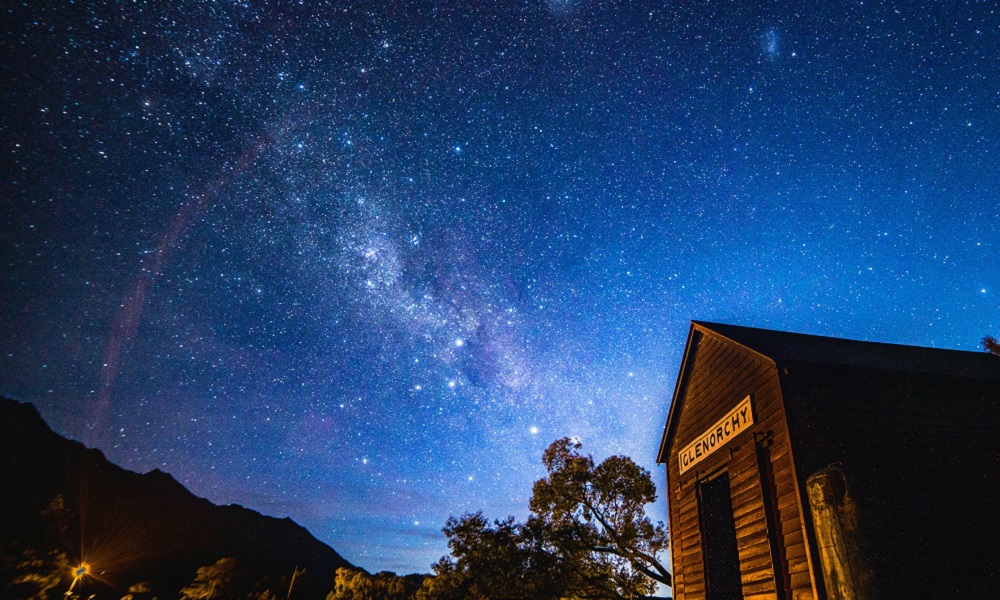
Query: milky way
[{"x": 360, "y": 263}]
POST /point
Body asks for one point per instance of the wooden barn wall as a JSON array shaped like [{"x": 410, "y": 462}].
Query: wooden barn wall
[
  {"x": 923, "y": 455},
  {"x": 762, "y": 483}
]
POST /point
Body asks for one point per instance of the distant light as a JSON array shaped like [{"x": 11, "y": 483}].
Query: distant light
[
  {"x": 451, "y": 383},
  {"x": 533, "y": 430},
  {"x": 79, "y": 573},
  {"x": 459, "y": 342}
]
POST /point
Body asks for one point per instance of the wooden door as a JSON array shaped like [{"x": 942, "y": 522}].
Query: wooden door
[{"x": 718, "y": 535}]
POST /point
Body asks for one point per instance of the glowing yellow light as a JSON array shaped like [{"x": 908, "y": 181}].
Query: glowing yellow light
[{"x": 78, "y": 573}]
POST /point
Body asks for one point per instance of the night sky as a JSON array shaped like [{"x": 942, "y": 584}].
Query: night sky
[{"x": 359, "y": 263}]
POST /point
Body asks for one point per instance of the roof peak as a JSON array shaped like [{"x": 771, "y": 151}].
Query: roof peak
[{"x": 789, "y": 347}]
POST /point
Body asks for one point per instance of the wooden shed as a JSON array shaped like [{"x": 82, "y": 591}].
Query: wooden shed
[{"x": 801, "y": 466}]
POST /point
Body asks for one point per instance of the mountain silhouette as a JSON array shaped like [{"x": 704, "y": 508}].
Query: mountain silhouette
[{"x": 62, "y": 504}]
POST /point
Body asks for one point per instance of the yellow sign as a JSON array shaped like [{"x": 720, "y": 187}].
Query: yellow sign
[{"x": 717, "y": 436}]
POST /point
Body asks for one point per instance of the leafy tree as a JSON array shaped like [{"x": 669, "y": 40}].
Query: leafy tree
[
  {"x": 588, "y": 537},
  {"x": 33, "y": 570},
  {"x": 353, "y": 584},
  {"x": 37, "y": 574},
  {"x": 595, "y": 517},
  {"x": 445, "y": 584},
  {"x": 393, "y": 587},
  {"x": 139, "y": 591},
  {"x": 219, "y": 580},
  {"x": 991, "y": 345},
  {"x": 499, "y": 560}
]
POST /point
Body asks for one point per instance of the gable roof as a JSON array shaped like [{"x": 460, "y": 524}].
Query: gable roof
[
  {"x": 787, "y": 347},
  {"x": 783, "y": 347}
]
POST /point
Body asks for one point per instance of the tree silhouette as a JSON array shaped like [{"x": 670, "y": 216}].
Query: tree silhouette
[
  {"x": 36, "y": 574},
  {"x": 33, "y": 569},
  {"x": 354, "y": 584},
  {"x": 991, "y": 345},
  {"x": 499, "y": 560},
  {"x": 588, "y": 537},
  {"x": 595, "y": 517},
  {"x": 218, "y": 580}
]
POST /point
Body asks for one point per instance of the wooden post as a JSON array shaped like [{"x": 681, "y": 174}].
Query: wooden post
[{"x": 847, "y": 569}]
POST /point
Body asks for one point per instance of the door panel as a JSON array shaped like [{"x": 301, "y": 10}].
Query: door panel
[{"x": 718, "y": 534}]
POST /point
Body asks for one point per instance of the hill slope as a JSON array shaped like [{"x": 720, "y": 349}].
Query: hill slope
[{"x": 62, "y": 501}]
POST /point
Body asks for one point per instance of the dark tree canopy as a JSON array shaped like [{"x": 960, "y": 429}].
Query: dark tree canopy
[
  {"x": 588, "y": 536},
  {"x": 596, "y": 517},
  {"x": 355, "y": 584},
  {"x": 220, "y": 580},
  {"x": 504, "y": 559},
  {"x": 991, "y": 345}
]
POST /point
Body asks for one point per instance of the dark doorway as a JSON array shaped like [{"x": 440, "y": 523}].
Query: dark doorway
[{"x": 718, "y": 535}]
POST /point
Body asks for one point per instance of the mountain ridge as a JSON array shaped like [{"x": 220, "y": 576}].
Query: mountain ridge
[{"x": 135, "y": 527}]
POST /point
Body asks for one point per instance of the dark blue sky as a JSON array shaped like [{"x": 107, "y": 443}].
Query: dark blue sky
[{"x": 360, "y": 263}]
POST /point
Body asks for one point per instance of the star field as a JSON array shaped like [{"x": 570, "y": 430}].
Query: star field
[{"x": 360, "y": 263}]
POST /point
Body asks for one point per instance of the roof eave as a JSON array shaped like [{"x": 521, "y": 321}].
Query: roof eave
[
  {"x": 705, "y": 328},
  {"x": 681, "y": 380}
]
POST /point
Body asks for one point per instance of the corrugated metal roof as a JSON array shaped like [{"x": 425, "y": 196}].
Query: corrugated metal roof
[{"x": 785, "y": 347}]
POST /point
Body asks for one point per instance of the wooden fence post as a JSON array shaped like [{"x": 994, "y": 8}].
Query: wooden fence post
[{"x": 843, "y": 553}]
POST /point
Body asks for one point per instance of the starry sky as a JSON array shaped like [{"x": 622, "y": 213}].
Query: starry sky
[{"x": 359, "y": 263}]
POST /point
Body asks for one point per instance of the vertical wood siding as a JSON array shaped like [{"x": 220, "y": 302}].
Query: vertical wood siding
[{"x": 721, "y": 374}]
